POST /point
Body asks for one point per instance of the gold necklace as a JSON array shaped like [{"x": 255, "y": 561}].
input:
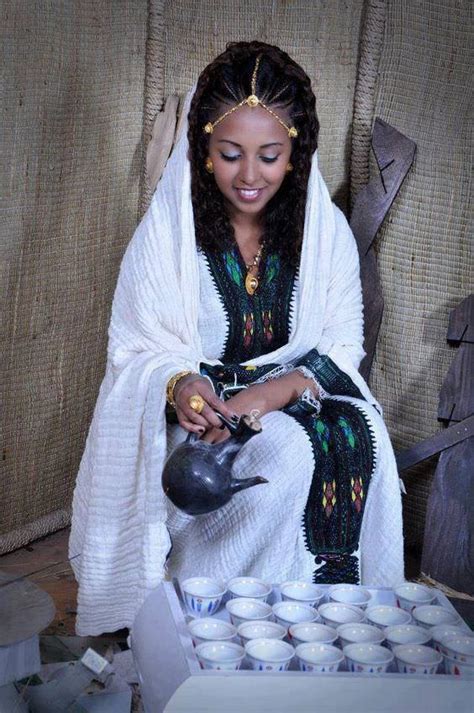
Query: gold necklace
[{"x": 251, "y": 281}]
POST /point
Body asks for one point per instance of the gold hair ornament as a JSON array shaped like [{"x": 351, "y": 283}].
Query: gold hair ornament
[{"x": 252, "y": 101}]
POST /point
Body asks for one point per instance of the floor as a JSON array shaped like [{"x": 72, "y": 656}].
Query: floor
[{"x": 45, "y": 562}]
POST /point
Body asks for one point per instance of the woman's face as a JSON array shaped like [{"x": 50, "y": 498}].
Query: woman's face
[{"x": 250, "y": 151}]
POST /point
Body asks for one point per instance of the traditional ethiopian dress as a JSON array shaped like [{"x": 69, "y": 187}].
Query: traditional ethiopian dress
[{"x": 331, "y": 510}]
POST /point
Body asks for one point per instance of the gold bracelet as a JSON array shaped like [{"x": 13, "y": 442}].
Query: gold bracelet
[{"x": 170, "y": 386}]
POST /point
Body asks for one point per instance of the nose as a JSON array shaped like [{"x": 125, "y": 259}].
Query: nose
[{"x": 249, "y": 173}]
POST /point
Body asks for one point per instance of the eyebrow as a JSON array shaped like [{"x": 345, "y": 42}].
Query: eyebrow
[{"x": 264, "y": 146}]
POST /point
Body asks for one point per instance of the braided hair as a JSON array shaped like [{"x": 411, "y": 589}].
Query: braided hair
[{"x": 281, "y": 84}]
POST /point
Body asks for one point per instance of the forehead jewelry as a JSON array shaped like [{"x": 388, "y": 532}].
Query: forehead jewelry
[{"x": 252, "y": 101}]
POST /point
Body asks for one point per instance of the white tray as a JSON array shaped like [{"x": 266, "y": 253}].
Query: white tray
[{"x": 171, "y": 679}]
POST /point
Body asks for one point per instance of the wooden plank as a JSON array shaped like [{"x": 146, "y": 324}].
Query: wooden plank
[
  {"x": 448, "y": 547},
  {"x": 373, "y": 309},
  {"x": 461, "y": 322},
  {"x": 455, "y": 433},
  {"x": 394, "y": 154},
  {"x": 161, "y": 141},
  {"x": 456, "y": 399}
]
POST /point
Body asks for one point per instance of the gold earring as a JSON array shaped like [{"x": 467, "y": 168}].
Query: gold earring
[
  {"x": 289, "y": 167},
  {"x": 209, "y": 165}
]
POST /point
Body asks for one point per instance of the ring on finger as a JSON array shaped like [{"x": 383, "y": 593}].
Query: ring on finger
[{"x": 196, "y": 402}]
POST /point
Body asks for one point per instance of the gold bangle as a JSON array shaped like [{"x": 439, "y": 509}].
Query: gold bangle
[{"x": 170, "y": 386}]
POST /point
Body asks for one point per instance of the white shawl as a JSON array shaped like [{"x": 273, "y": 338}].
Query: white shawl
[{"x": 119, "y": 510}]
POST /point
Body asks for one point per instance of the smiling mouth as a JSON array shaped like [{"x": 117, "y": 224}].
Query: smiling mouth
[{"x": 249, "y": 194}]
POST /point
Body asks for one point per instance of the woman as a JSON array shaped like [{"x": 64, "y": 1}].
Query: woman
[{"x": 239, "y": 292}]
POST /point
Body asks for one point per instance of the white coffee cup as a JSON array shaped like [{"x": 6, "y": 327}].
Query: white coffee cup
[
  {"x": 384, "y": 615},
  {"x": 367, "y": 658},
  {"x": 269, "y": 654},
  {"x": 352, "y": 594},
  {"x": 260, "y": 630},
  {"x": 202, "y": 595},
  {"x": 249, "y": 587},
  {"x": 220, "y": 655},
  {"x": 454, "y": 667},
  {"x": 304, "y": 592},
  {"x": 288, "y": 613},
  {"x": 334, "y": 614},
  {"x": 459, "y": 647},
  {"x": 319, "y": 658},
  {"x": 244, "y": 609},
  {"x": 211, "y": 629},
  {"x": 411, "y": 594},
  {"x": 432, "y": 615},
  {"x": 311, "y": 633},
  {"x": 406, "y": 634},
  {"x": 440, "y": 631},
  {"x": 413, "y": 658},
  {"x": 359, "y": 634}
]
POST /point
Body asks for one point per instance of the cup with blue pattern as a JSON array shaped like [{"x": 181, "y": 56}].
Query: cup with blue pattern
[
  {"x": 202, "y": 595},
  {"x": 319, "y": 658},
  {"x": 269, "y": 654}
]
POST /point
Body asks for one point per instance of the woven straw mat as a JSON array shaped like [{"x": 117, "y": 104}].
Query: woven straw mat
[{"x": 71, "y": 158}]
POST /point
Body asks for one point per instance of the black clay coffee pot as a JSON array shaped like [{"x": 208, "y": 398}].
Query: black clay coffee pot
[{"x": 197, "y": 476}]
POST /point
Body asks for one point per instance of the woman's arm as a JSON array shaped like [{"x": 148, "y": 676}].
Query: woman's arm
[{"x": 270, "y": 396}]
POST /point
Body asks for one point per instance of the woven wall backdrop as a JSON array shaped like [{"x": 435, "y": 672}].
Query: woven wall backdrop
[
  {"x": 424, "y": 90},
  {"x": 322, "y": 36},
  {"x": 73, "y": 78}
]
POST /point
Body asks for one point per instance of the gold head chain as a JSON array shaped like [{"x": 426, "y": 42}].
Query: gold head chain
[{"x": 252, "y": 101}]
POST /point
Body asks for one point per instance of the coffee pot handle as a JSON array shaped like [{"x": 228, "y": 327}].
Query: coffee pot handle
[{"x": 231, "y": 425}]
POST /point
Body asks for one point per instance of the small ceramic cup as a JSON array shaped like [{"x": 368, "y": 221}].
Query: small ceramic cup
[
  {"x": 249, "y": 587},
  {"x": 351, "y": 594},
  {"x": 202, "y": 595},
  {"x": 244, "y": 609},
  {"x": 260, "y": 630},
  {"x": 288, "y": 613},
  {"x": 459, "y": 647},
  {"x": 439, "y": 632},
  {"x": 406, "y": 634},
  {"x": 412, "y": 658},
  {"x": 410, "y": 595},
  {"x": 220, "y": 655},
  {"x": 319, "y": 658},
  {"x": 269, "y": 654},
  {"x": 359, "y": 634},
  {"x": 457, "y": 668},
  {"x": 312, "y": 633},
  {"x": 384, "y": 615},
  {"x": 303, "y": 592},
  {"x": 211, "y": 629},
  {"x": 429, "y": 616},
  {"x": 334, "y": 614},
  {"x": 367, "y": 658}
]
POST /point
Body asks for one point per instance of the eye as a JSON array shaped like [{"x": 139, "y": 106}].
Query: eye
[
  {"x": 233, "y": 157},
  {"x": 269, "y": 159}
]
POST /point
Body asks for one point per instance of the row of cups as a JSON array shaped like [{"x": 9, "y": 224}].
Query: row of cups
[
  {"x": 316, "y": 649},
  {"x": 348, "y": 605}
]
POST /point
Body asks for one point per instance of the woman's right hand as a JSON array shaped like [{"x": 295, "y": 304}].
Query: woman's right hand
[{"x": 193, "y": 385}]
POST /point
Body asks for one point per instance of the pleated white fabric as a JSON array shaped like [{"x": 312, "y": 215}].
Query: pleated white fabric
[{"x": 119, "y": 525}]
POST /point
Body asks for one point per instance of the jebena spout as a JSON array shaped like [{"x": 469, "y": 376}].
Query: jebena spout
[{"x": 237, "y": 485}]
